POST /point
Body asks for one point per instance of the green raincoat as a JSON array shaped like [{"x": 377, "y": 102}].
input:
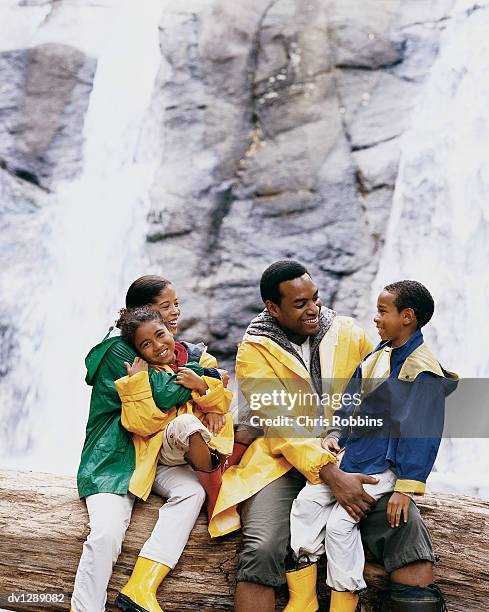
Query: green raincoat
[{"x": 108, "y": 455}]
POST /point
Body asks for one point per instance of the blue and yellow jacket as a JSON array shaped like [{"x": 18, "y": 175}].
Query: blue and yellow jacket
[{"x": 399, "y": 422}]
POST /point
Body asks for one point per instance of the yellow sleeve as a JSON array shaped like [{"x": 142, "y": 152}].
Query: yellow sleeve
[
  {"x": 207, "y": 360},
  {"x": 140, "y": 414},
  {"x": 366, "y": 345},
  {"x": 255, "y": 376},
  {"x": 217, "y": 399}
]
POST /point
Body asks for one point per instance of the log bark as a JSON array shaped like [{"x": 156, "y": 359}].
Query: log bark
[{"x": 43, "y": 525}]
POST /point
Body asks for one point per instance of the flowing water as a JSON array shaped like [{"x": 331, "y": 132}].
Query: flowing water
[
  {"x": 92, "y": 235},
  {"x": 439, "y": 227}
]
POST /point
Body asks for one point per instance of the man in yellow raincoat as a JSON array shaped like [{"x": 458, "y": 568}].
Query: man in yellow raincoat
[{"x": 289, "y": 352}]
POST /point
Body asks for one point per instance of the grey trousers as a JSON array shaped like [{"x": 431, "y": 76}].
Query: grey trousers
[
  {"x": 266, "y": 532},
  {"x": 265, "y": 520}
]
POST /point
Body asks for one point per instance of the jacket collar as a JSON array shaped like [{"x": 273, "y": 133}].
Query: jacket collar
[
  {"x": 402, "y": 352},
  {"x": 264, "y": 326}
]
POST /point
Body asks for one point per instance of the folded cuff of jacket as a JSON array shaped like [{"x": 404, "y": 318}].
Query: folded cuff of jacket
[{"x": 409, "y": 486}]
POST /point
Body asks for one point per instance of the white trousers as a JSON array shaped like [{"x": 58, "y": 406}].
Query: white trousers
[
  {"x": 109, "y": 516},
  {"x": 318, "y": 525}
]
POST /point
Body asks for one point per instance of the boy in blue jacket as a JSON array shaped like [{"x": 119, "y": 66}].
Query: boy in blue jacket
[{"x": 393, "y": 434}]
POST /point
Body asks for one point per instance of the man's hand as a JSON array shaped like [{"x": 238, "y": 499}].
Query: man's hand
[
  {"x": 214, "y": 422},
  {"x": 189, "y": 379},
  {"x": 138, "y": 365},
  {"x": 398, "y": 505},
  {"x": 348, "y": 490},
  {"x": 331, "y": 445},
  {"x": 224, "y": 374}
]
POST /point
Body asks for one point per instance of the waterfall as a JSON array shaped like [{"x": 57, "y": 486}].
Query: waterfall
[
  {"x": 439, "y": 227},
  {"x": 92, "y": 235}
]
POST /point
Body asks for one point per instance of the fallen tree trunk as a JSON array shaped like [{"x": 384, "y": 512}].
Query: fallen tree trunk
[{"x": 43, "y": 525}]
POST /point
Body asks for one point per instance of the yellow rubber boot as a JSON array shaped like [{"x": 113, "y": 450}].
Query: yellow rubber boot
[
  {"x": 343, "y": 601},
  {"x": 139, "y": 592},
  {"x": 302, "y": 590}
]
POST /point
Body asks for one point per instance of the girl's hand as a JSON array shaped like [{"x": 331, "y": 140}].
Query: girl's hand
[
  {"x": 331, "y": 444},
  {"x": 214, "y": 422},
  {"x": 138, "y": 365},
  {"x": 398, "y": 505},
  {"x": 224, "y": 377},
  {"x": 190, "y": 380}
]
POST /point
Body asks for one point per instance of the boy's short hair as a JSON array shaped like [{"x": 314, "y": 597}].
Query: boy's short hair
[
  {"x": 411, "y": 294},
  {"x": 279, "y": 272}
]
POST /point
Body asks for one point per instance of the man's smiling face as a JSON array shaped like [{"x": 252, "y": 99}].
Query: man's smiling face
[{"x": 299, "y": 308}]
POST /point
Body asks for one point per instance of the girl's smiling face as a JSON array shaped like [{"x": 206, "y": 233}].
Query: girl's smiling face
[
  {"x": 166, "y": 303},
  {"x": 154, "y": 342}
]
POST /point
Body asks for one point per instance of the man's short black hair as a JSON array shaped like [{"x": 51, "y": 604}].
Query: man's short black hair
[
  {"x": 278, "y": 272},
  {"x": 411, "y": 294}
]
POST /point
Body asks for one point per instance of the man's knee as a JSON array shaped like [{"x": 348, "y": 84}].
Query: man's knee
[
  {"x": 262, "y": 562},
  {"x": 395, "y": 548},
  {"x": 263, "y": 549},
  {"x": 414, "y": 574}
]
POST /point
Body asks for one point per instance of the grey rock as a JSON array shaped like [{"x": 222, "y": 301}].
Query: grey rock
[
  {"x": 42, "y": 108},
  {"x": 383, "y": 112},
  {"x": 362, "y": 33},
  {"x": 378, "y": 165},
  {"x": 281, "y": 134}
]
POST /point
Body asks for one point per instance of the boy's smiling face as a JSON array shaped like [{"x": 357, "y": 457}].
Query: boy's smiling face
[
  {"x": 155, "y": 343},
  {"x": 392, "y": 324}
]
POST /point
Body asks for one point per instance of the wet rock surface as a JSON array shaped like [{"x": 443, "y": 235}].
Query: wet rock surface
[
  {"x": 282, "y": 129},
  {"x": 280, "y": 125}
]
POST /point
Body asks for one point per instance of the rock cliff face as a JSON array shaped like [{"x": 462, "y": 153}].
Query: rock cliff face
[
  {"x": 279, "y": 124},
  {"x": 43, "y": 106},
  {"x": 281, "y": 127}
]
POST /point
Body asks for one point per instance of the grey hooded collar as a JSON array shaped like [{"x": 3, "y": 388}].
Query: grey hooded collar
[{"x": 266, "y": 326}]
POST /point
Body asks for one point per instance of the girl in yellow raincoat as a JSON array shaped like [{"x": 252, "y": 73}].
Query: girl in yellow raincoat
[
  {"x": 144, "y": 329},
  {"x": 178, "y": 434}
]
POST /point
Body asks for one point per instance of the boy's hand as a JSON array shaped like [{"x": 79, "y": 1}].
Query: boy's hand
[
  {"x": 214, "y": 422},
  {"x": 398, "y": 505},
  {"x": 189, "y": 379},
  {"x": 138, "y": 365},
  {"x": 224, "y": 377},
  {"x": 331, "y": 444}
]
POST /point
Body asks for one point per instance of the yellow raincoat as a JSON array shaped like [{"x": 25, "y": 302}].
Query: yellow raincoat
[
  {"x": 146, "y": 421},
  {"x": 259, "y": 358}
]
